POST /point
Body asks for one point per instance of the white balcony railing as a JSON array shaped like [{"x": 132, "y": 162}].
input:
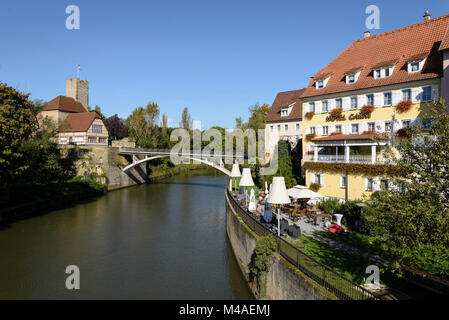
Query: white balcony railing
[{"x": 342, "y": 158}]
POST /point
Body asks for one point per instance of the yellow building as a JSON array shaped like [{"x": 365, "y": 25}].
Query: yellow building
[{"x": 355, "y": 105}]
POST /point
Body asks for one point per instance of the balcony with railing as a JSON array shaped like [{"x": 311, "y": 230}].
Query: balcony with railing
[{"x": 342, "y": 158}]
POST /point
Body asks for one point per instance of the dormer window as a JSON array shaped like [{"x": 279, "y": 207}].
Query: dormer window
[
  {"x": 415, "y": 63},
  {"x": 415, "y": 66},
  {"x": 383, "y": 72},
  {"x": 321, "y": 83},
  {"x": 284, "y": 112},
  {"x": 350, "y": 78}
]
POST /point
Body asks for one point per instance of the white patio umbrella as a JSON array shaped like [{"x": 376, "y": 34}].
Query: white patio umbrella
[
  {"x": 252, "y": 201},
  {"x": 301, "y": 192},
  {"x": 278, "y": 196},
  {"x": 246, "y": 181},
  {"x": 235, "y": 173}
]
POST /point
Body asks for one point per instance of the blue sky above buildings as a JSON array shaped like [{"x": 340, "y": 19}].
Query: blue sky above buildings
[{"x": 215, "y": 57}]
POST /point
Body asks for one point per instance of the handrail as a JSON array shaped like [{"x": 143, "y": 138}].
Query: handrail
[{"x": 333, "y": 281}]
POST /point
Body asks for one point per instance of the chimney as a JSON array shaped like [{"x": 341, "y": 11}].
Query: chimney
[
  {"x": 366, "y": 34},
  {"x": 426, "y": 16}
]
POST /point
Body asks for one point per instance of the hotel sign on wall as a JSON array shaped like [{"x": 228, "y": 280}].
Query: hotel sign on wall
[{"x": 353, "y": 116}]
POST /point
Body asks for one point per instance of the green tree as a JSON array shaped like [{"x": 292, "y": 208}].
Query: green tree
[
  {"x": 265, "y": 247},
  {"x": 186, "y": 120},
  {"x": 414, "y": 216},
  {"x": 143, "y": 125},
  {"x": 17, "y": 123}
]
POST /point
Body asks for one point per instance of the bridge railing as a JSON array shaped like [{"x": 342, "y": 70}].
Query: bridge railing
[
  {"x": 331, "y": 280},
  {"x": 197, "y": 153}
]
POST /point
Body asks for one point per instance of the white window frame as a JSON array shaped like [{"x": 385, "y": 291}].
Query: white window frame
[
  {"x": 343, "y": 181},
  {"x": 368, "y": 99},
  {"x": 409, "y": 93},
  {"x": 355, "y": 125},
  {"x": 373, "y": 125},
  {"x": 311, "y": 106},
  {"x": 369, "y": 181},
  {"x": 339, "y": 103},
  {"x": 391, "y": 99},
  {"x": 423, "y": 97},
  {"x": 337, "y": 127},
  {"x": 325, "y": 130},
  {"x": 298, "y": 127},
  {"x": 325, "y": 103},
  {"x": 285, "y": 127},
  {"x": 356, "y": 99}
]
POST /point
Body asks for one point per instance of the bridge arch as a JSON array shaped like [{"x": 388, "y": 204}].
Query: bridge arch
[{"x": 209, "y": 163}]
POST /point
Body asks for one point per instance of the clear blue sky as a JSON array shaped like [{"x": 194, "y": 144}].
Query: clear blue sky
[{"x": 215, "y": 57}]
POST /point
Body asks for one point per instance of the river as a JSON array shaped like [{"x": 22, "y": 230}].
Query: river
[{"x": 165, "y": 240}]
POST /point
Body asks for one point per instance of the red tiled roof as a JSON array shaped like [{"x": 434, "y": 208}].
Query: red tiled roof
[
  {"x": 363, "y": 136},
  {"x": 80, "y": 121},
  {"x": 445, "y": 43},
  {"x": 402, "y": 44},
  {"x": 63, "y": 103},
  {"x": 283, "y": 100}
]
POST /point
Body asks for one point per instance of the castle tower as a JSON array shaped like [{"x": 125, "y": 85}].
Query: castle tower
[{"x": 78, "y": 90}]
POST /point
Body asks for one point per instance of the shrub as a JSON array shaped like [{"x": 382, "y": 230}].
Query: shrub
[
  {"x": 402, "y": 133},
  {"x": 330, "y": 205},
  {"x": 265, "y": 247},
  {"x": 315, "y": 187}
]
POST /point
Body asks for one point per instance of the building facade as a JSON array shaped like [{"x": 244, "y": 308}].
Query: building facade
[
  {"x": 362, "y": 101},
  {"x": 284, "y": 121},
  {"x": 71, "y": 112}
]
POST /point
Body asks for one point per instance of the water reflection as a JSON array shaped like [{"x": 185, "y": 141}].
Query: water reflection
[{"x": 160, "y": 241}]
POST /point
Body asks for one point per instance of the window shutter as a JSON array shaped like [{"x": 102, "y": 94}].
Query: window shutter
[
  {"x": 396, "y": 96},
  {"x": 416, "y": 95},
  {"x": 346, "y": 101},
  {"x": 435, "y": 93},
  {"x": 322, "y": 179},
  {"x": 318, "y": 107},
  {"x": 376, "y": 184},
  {"x": 312, "y": 178}
]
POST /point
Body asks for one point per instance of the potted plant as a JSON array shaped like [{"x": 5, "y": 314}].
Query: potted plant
[{"x": 315, "y": 187}]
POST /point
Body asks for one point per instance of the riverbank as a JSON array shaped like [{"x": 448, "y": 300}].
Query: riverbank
[{"x": 35, "y": 199}]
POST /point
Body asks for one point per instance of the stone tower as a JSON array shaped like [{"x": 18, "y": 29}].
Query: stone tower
[{"x": 78, "y": 90}]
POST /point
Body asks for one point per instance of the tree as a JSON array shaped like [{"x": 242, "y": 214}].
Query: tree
[
  {"x": 17, "y": 123},
  {"x": 186, "y": 121},
  {"x": 117, "y": 127},
  {"x": 97, "y": 109},
  {"x": 164, "y": 121},
  {"x": 143, "y": 125},
  {"x": 414, "y": 216}
]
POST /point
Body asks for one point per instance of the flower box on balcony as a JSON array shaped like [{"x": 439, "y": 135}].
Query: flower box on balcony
[
  {"x": 369, "y": 132},
  {"x": 337, "y": 112},
  {"x": 368, "y": 109},
  {"x": 404, "y": 106},
  {"x": 310, "y": 136},
  {"x": 336, "y": 133},
  {"x": 309, "y": 115}
]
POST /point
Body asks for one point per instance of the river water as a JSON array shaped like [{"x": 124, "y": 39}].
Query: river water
[{"x": 165, "y": 240}]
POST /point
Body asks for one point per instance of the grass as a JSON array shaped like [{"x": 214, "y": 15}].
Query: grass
[{"x": 353, "y": 267}]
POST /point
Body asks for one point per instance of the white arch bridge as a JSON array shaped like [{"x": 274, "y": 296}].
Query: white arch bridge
[{"x": 215, "y": 160}]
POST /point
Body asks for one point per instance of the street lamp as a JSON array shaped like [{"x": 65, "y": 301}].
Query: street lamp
[
  {"x": 278, "y": 196},
  {"x": 246, "y": 181},
  {"x": 235, "y": 173}
]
